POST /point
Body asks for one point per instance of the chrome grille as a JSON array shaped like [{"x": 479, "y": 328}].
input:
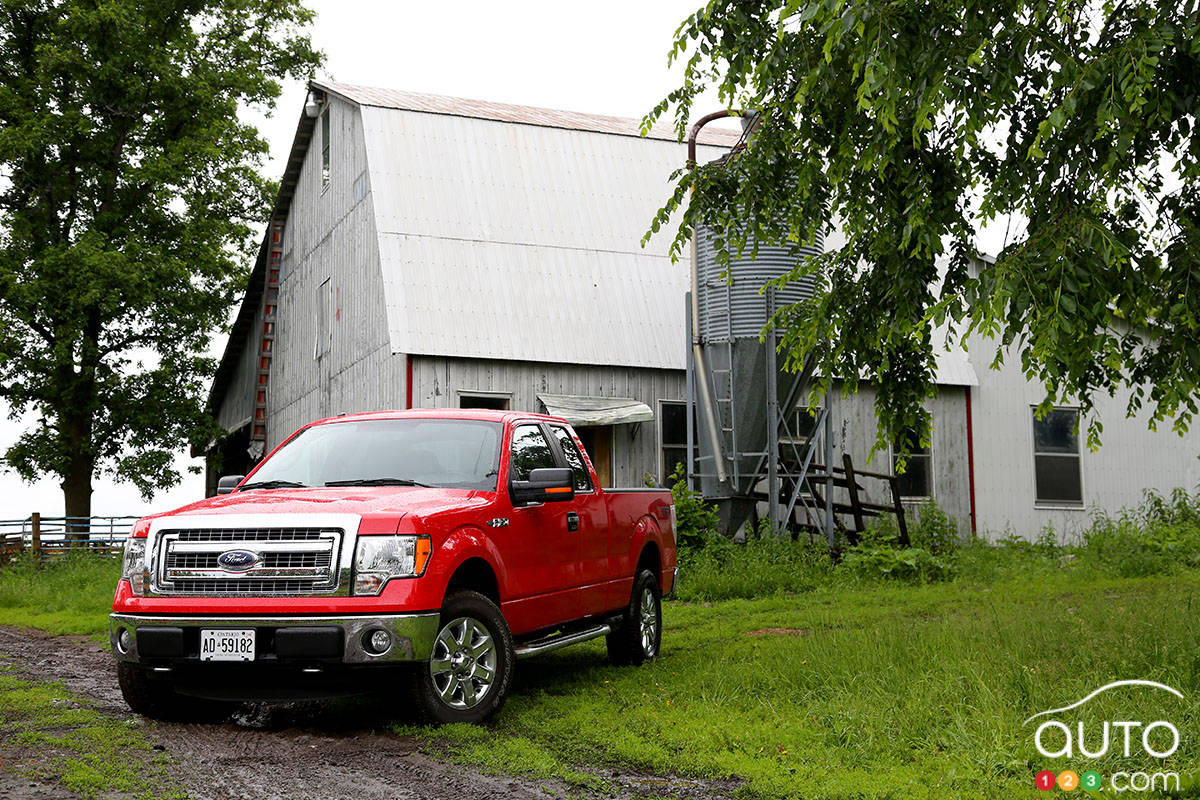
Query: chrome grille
[
  {"x": 252, "y": 534},
  {"x": 290, "y": 561}
]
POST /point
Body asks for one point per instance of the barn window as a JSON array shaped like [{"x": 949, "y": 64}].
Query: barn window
[
  {"x": 494, "y": 400},
  {"x": 325, "y": 149},
  {"x": 917, "y": 480},
  {"x": 324, "y": 312},
  {"x": 1056, "y": 459},
  {"x": 672, "y": 436}
]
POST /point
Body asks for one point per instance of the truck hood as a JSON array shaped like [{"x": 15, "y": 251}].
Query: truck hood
[{"x": 366, "y": 501}]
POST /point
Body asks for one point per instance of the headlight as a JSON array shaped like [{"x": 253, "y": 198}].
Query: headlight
[
  {"x": 378, "y": 559},
  {"x": 133, "y": 566}
]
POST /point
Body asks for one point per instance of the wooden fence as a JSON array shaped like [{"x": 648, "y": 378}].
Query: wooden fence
[{"x": 52, "y": 538}]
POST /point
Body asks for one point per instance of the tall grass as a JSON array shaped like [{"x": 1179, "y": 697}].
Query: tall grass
[
  {"x": 1159, "y": 537},
  {"x": 73, "y": 595}
]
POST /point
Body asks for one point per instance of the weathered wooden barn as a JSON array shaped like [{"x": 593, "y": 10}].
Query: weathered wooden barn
[{"x": 426, "y": 251}]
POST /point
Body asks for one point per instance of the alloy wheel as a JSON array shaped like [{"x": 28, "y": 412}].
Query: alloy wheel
[{"x": 463, "y": 666}]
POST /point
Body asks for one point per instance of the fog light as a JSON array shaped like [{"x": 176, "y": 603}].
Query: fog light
[
  {"x": 124, "y": 640},
  {"x": 378, "y": 642}
]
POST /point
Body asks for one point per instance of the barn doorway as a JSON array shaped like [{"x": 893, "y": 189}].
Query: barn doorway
[
  {"x": 597, "y": 440},
  {"x": 230, "y": 456}
]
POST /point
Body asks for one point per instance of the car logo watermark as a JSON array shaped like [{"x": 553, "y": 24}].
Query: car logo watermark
[{"x": 1053, "y": 738}]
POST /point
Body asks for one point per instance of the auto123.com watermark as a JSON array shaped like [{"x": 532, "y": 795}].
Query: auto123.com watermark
[{"x": 1056, "y": 739}]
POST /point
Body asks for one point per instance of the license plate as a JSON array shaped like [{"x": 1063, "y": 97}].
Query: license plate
[{"x": 227, "y": 645}]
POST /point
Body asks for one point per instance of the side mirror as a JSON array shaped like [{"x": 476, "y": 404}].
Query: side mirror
[
  {"x": 546, "y": 485},
  {"x": 228, "y": 483}
]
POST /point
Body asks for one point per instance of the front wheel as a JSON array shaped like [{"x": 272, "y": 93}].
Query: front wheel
[
  {"x": 157, "y": 699},
  {"x": 639, "y": 635},
  {"x": 469, "y": 673}
]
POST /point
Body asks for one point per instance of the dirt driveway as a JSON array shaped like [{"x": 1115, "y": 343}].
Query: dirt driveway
[{"x": 314, "y": 751}]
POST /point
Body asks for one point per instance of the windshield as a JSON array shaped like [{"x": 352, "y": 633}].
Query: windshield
[{"x": 452, "y": 454}]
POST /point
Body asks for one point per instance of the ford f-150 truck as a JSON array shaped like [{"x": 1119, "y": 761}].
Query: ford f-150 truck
[{"x": 427, "y": 549}]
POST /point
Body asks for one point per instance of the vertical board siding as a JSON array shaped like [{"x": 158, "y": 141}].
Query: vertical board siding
[
  {"x": 330, "y": 235},
  {"x": 855, "y": 426},
  {"x": 237, "y": 406},
  {"x": 437, "y": 383}
]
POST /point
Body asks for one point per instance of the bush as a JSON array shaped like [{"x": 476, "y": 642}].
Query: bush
[
  {"x": 910, "y": 564},
  {"x": 929, "y": 556},
  {"x": 933, "y": 529},
  {"x": 696, "y": 522}
]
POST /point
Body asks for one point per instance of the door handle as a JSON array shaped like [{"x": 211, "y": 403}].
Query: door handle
[{"x": 572, "y": 521}]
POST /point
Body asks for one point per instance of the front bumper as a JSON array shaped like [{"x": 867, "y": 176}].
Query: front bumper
[{"x": 171, "y": 640}]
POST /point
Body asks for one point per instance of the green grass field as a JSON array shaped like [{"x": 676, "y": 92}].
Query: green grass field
[
  {"x": 906, "y": 692},
  {"x": 70, "y": 596}
]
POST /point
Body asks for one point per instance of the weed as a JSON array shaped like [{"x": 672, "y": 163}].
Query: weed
[{"x": 78, "y": 747}]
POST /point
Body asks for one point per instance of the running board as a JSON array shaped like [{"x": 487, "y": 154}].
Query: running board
[{"x": 554, "y": 642}]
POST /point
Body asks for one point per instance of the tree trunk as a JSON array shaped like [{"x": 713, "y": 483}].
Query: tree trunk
[
  {"x": 77, "y": 427},
  {"x": 77, "y": 496}
]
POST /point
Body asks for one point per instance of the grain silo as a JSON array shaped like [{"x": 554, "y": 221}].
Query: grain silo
[{"x": 751, "y": 446}]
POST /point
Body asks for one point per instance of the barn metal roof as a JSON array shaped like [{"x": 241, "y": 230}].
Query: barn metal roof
[
  {"x": 503, "y": 112},
  {"x": 523, "y": 242}
]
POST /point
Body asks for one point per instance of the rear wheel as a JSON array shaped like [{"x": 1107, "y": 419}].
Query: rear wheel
[
  {"x": 639, "y": 635},
  {"x": 470, "y": 670}
]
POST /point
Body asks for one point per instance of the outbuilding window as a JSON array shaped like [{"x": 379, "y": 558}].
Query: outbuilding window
[
  {"x": 496, "y": 401},
  {"x": 324, "y": 313},
  {"x": 1056, "y": 458},
  {"x": 672, "y": 437},
  {"x": 325, "y": 149},
  {"x": 917, "y": 480}
]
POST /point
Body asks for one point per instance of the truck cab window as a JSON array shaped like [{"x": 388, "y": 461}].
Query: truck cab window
[
  {"x": 583, "y": 483},
  {"x": 530, "y": 451}
]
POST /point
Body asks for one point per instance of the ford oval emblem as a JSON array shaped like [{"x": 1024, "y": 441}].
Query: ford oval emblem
[{"x": 238, "y": 560}]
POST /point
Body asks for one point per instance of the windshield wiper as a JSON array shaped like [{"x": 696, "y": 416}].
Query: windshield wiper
[
  {"x": 378, "y": 482},
  {"x": 271, "y": 485}
]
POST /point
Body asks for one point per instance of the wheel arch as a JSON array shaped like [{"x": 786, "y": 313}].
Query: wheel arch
[{"x": 476, "y": 574}]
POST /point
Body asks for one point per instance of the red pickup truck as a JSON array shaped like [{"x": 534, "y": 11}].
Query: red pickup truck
[{"x": 428, "y": 549}]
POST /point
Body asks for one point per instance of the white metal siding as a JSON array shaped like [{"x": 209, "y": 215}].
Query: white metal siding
[{"x": 1131, "y": 459}]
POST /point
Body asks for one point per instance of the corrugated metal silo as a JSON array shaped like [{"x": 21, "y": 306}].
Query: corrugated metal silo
[{"x": 743, "y": 402}]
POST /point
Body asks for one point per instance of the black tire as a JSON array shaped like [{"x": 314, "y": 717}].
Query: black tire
[
  {"x": 147, "y": 697},
  {"x": 157, "y": 699},
  {"x": 473, "y": 644},
  {"x": 638, "y": 638}
]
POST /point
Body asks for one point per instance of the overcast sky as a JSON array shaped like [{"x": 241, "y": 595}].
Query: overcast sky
[{"x": 605, "y": 58}]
